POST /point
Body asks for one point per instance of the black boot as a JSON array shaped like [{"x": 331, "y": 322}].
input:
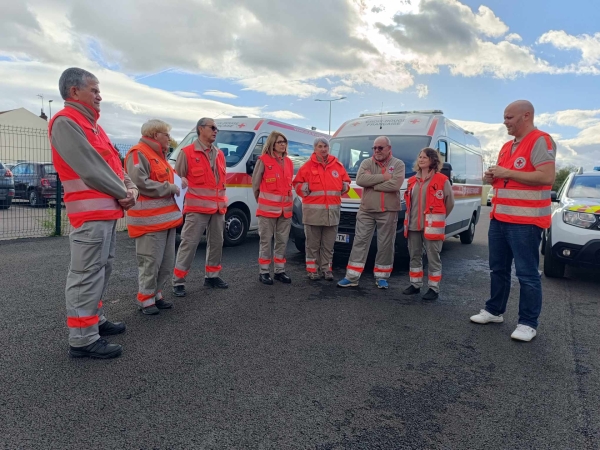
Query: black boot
[
  {"x": 283, "y": 278},
  {"x": 430, "y": 295},
  {"x": 99, "y": 349},
  {"x": 110, "y": 328},
  {"x": 150, "y": 310},
  {"x": 265, "y": 278},
  {"x": 215, "y": 283},
  {"x": 163, "y": 304},
  {"x": 411, "y": 290},
  {"x": 179, "y": 291}
]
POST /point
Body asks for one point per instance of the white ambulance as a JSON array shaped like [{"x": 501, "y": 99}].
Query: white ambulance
[
  {"x": 409, "y": 132},
  {"x": 241, "y": 139}
]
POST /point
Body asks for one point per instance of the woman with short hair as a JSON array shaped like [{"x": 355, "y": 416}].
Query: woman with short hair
[
  {"x": 321, "y": 182},
  {"x": 429, "y": 200},
  {"x": 154, "y": 218},
  {"x": 272, "y": 187}
]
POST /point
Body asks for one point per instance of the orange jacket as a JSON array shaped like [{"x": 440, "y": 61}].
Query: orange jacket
[
  {"x": 83, "y": 203},
  {"x": 519, "y": 203},
  {"x": 324, "y": 181},
  {"x": 435, "y": 208},
  {"x": 204, "y": 194},
  {"x": 152, "y": 214},
  {"x": 275, "y": 197}
]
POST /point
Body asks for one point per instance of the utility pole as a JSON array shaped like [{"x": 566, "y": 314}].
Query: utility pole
[{"x": 330, "y": 101}]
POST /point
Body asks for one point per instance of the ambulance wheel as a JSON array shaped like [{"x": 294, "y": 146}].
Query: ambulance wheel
[
  {"x": 466, "y": 237},
  {"x": 553, "y": 267},
  {"x": 236, "y": 227}
]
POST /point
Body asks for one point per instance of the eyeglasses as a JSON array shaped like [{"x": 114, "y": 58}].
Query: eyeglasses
[
  {"x": 379, "y": 148},
  {"x": 281, "y": 142},
  {"x": 212, "y": 127},
  {"x": 166, "y": 134}
]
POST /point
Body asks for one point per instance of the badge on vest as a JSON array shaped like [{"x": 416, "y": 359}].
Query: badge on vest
[
  {"x": 519, "y": 163},
  {"x": 270, "y": 180},
  {"x": 335, "y": 173},
  {"x": 391, "y": 169},
  {"x": 439, "y": 194}
]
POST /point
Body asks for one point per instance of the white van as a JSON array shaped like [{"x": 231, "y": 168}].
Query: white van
[
  {"x": 241, "y": 139},
  {"x": 409, "y": 132}
]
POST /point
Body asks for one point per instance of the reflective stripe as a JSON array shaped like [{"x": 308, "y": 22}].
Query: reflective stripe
[
  {"x": 82, "y": 321},
  {"x": 153, "y": 220},
  {"x": 271, "y": 197},
  {"x": 316, "y": 194},
  {"x": 435, "y": 217},
  {"x": 359, "y": 266},
  {"x": 434, "y": 231},
  {"x": 313, "y": 206},
  {"x": 153, "y": 203},
  {"x": 334, "y": 193},
  {"x": 146, "y": 300},
  {"x": 213, "y": 268},
  {"x": 92, "y": 204},
  {"x": 435, "y": 277},
  {"x": 269, "y": 208},
  {"x": 379, "y": 268},
  {"x": 180, "y": 273},
  {"x": 522, "y": 194},
  {"x": 201, "y": 203},
  {"x": 523, "y": 211},
  {"x": 77, "y": 185},
  {"x": 416, "y": 274},
  {"x": 311, "y": 265},
  {"x": 202, "y": 192},
  {"x": 281, "y": 260},
  {"x": 353, "y": 273}
]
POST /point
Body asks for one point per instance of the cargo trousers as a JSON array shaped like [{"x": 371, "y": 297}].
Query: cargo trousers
[
  {"x": 386, "y": 223},
  {"x": 319, "y": 247},
  {"x": 92, "y": 255},
  {"x": 269, "y": 229},
  {"x": 416, "y": 241},
  {"x": 193, "y": 228},
  {"x": 155, "y": 254}
]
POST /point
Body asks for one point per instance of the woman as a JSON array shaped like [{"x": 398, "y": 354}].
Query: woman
[
  {"x": 272, "y": 186},
  {"x": 429, "y": 200},
  {"x": 321, "y": 182},
  {"x": 155, "y": 217}
]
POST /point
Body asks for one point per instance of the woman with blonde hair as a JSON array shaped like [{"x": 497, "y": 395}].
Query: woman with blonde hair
[
  {"x": 272, "y": 187},
  {"x": 429, "y": 200},
  {"x": 155, "y": 217}
]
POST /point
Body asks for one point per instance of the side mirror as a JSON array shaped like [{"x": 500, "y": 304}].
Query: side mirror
[
  {"x": 553, "y": 196},
  {"x": 447, "y": 170}
]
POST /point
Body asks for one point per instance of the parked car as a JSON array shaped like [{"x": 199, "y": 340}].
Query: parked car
[
  {"x": 574, "y": 235},
  {"x": 7, "y": 187},
  {"x": 489, "y": 197},
  {"x": 35, "y": 181}
]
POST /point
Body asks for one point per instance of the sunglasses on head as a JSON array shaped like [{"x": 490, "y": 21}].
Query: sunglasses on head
[
  {"x": 379, "y": 148},
  {"x": 212, "y": 127}
]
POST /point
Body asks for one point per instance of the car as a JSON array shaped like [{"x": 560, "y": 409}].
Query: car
[
  {"x": 489, "y": 197},
  {"x": 35, "y": 181},
  {"x": 7, "y": 187},
  {"x": 574, "y": 235}
]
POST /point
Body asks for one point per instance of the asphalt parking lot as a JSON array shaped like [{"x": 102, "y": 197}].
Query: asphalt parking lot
[{"x": 301, "y": 366}]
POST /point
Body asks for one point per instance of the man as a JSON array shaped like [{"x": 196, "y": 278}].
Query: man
[
  {"x": 96, "y": 193},
  {"x": 201, "y": 166},
  {"x": 381, "y": 177},
  {"x": 521, "y": 210}
]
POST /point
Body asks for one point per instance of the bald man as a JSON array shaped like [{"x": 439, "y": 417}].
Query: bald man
[{"x": 522, "y": 180}]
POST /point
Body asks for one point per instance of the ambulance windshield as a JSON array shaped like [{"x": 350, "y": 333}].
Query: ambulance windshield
[{"x": 353, "y": 150}]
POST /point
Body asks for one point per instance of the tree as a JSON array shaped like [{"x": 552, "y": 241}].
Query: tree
[
  {"x": 561, "y": 176},
  {"x": 173, "y": 143}
]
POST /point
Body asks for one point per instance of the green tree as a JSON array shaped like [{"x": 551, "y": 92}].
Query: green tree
[{"x": 561, "y": 176}]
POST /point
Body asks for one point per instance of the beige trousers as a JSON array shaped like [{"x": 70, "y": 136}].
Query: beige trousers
[
  {"x": 156, "y": 259},
  {"x": 193, "y": 229},
  {"x": 416, "y": 239},
  {"x": 270, "y": 228},
  {"x": 366, "y": 222},
  {"x": 92, "y": 255},
  {"x": 319, "y": 247}
]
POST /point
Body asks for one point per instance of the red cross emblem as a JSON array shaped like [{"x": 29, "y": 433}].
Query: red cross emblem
[
  {"x": 241, "y": 125},
  {"x": 355, "y": 124},
  {"x": 415, "y": 121}
]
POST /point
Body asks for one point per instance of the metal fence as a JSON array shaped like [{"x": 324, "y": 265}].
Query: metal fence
[{"x": 30, "y": 210}]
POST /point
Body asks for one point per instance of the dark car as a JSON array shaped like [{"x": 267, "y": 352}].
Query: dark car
[
  {"x": 35, "y": 182},
  {"x": 7, "y": 187}
]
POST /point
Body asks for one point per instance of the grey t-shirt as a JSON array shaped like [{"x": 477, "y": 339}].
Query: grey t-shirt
[{"x": 540, "y": 153}]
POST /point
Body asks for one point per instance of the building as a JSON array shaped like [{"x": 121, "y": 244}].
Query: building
[{"x": 23, "y": 137}]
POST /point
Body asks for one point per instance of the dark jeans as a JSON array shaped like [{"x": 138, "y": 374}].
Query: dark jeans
[{"x": 508, "y": 241}]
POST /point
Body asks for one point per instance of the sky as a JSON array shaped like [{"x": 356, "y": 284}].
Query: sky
[{"x": 185, "y": 59}]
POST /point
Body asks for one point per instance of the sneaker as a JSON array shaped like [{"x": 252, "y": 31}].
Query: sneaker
[
  {"x": 523, "y": 333},
  {"x": 216, "y": 282},
  {"x": 99, "y": 349},
  {"x": 161, "y": 303},
  {"x": 486, "y": 317},
  {"x": 430, "y": 295},
  {"x": 329, "y": 276},
  {"x": 411, "y": 290},
  {"x": 313, "y": 276},
  {"x": 345, "y": 282},
  {"x": 179, "y": 291},
  {"x": 150, "y": 310},
  {"x": 381, "y": 283},
  {"x": 111, "y": 328}
]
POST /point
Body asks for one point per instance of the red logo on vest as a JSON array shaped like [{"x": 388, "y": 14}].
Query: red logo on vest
[
  {"x": 439, "y": 194},
  {"x": 335, "y": 173},
  {"x": 520, "y": 163}
]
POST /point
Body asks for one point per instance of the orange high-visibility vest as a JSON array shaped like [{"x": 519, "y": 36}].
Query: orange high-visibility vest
[
  {"x": 519, "y": 203},
  {"x": 204, "y": 195},
  {"x": 435, "y": 208},
  {"x": 83, "y": 203},
  {"x": 275, "y": 196},
  {"x": 152, "y": 214},
  {"x": 325, "y": 183}
]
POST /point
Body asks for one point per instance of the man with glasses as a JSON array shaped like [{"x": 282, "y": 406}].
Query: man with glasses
[
  {"x": 381, "y": 177},
  {"x": 202, "y": 169}
]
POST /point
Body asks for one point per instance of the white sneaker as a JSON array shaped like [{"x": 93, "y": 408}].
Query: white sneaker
[
  {"x": 486, "y": 317},
  {"x": 523, "y": 333}
]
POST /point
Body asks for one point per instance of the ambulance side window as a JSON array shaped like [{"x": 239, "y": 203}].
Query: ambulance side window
[
  {"x": 335, "y": 150},
  {"x": 258, "y": 147},
  {"x": 443, "y": 149}
]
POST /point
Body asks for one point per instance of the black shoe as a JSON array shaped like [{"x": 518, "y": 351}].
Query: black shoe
[
  {"x": 215, "y": 282},
  {"x": 283, "y": 278},
  {"x": 150, "y": 310},
  {"x": 265, "y": 278},
  {"x": 110, "y": 328},
  {"x": 99, "y": 349},
  {"x": 179, "y": 291},
  {"x": 431, "y": 295},
  {"x": 411, "y": 290},
  {"x": 163, "y": 304}
]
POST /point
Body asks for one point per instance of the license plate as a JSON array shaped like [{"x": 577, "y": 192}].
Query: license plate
[{"x": 342, "y": 238}]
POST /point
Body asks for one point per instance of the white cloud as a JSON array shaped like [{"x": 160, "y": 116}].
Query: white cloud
[
  {"x": 220, "y": 94},
  {"x": 588, "y": 45},
  {"x": 283, "y": 115},
  {"x": 277, "y": 85},
  {"x": 513, "y": 37},
  {"x": 422, "y": 90},
  {"x": 186, "y": 94}
]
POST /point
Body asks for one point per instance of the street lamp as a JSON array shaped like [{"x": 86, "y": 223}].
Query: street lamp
[
  {"x": 330, "y": 101},
  {"x": 50, "y": 108}
]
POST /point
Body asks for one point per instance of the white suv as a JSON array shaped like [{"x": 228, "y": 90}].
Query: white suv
[{"x": 574, "y": 235}]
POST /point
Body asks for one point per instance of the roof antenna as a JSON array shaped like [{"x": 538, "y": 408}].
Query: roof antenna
[{"x": 381, "y": 122}]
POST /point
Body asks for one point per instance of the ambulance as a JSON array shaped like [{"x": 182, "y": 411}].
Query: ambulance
[
  {"x": 409, "y": 132},
  {"x": 241, "y": 139}
]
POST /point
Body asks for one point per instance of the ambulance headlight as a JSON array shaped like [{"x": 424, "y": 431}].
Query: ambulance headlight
[{"x": 578, "y": 219}]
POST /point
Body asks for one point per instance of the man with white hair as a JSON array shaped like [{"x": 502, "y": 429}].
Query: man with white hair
[
  {"x": 97, "y": 191},
  {"x": 522, "y": 180},
  {"x": 381, "y": 177}
]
